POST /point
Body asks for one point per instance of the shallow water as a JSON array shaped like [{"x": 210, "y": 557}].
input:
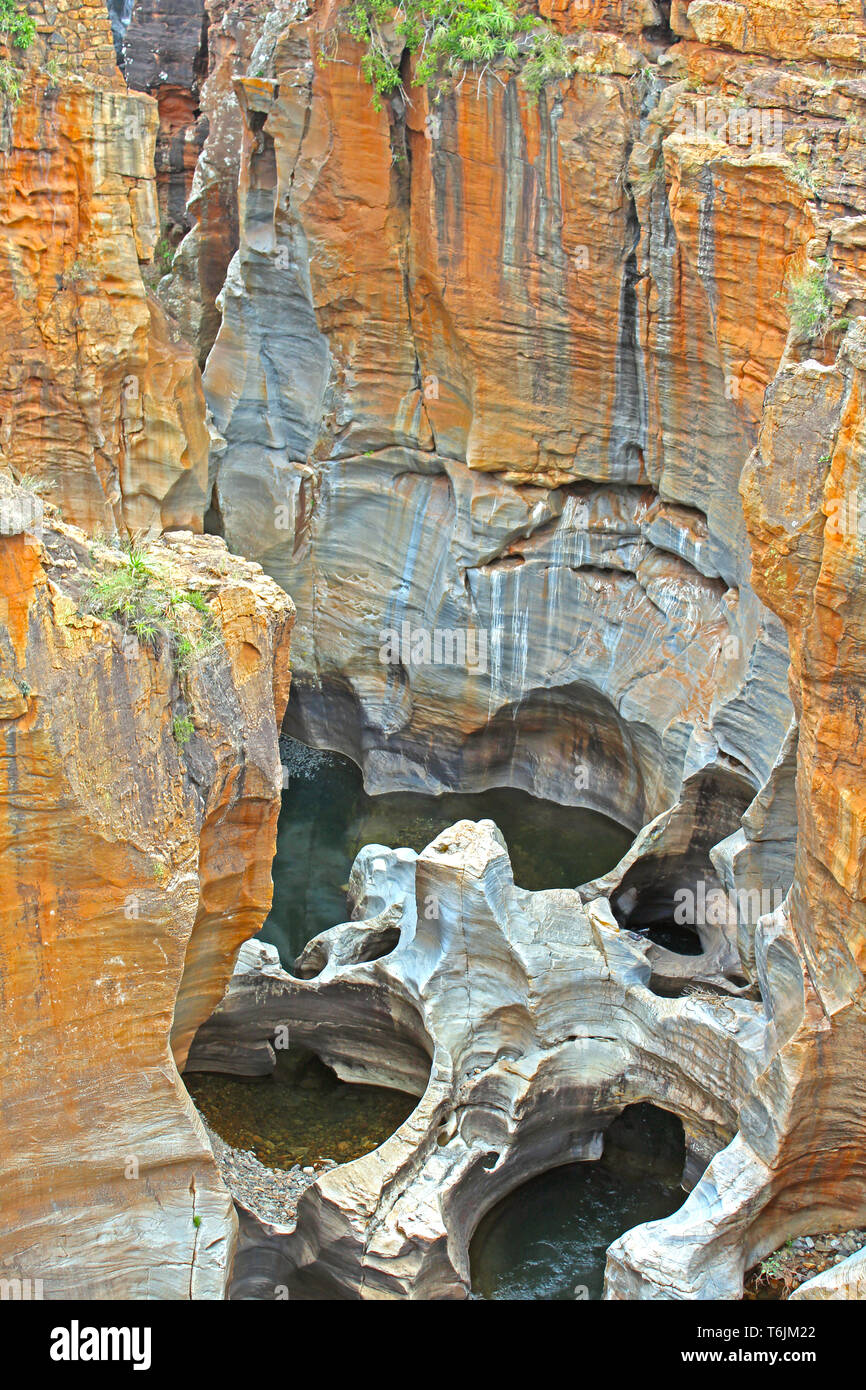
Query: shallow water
[
  {"x": 300, "y": 1114},
  {"x": 549, "y": 1237},
  {"x": 327, "y": 817}
]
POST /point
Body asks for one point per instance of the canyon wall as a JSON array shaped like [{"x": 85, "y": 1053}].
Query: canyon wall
[
  {"x": 578, "y": 379},
  {"x": 136, "y": 860},
  {"x": 141, "y": 779},
  {"x": 548, "y": 413},
  {"x": 98, "y": 394},
  {"x": 483, "y": 371}
]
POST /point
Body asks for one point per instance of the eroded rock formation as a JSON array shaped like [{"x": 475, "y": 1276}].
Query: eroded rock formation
[
  {"x": 524, "y": 1021},
  {"x": 136, "y": 859},
  {"x": 571, "y": 386},
  {"x": 486, "y": 366}
]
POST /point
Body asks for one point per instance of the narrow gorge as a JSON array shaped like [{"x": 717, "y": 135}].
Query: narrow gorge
[{"x": 432, "y": 644}]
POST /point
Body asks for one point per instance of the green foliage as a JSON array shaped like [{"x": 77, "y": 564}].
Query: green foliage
[
  {"x": 134, "y": 596},
  {"x": 772, "y": 1267},
  {"x": 548, "y": 59},
  {"x": 451, "y": 38},
  {"x": 164, "y": 254},
  {"x": 11, "y": 81},
  {"x": 183, "y": 729},
  {"x": 16, "y": 24},
  {"x": 809, "y": 303}
]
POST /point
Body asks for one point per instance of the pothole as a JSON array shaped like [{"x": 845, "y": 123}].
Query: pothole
[
  {"x": 301, "y": 1115},
  {"x": 327, "y": 817},
  {"x": 547, "y": 1240}
]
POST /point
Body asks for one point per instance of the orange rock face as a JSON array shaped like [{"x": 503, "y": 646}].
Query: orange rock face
[
  {"x": 134, "y": 865},
  {"x": 826, "y": 30},
  {"x": 95, "y": 394},
  {"x": 583, "y": 374}
]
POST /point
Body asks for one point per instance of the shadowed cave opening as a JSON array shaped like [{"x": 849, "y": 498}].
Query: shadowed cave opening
[
  {"x": 547, "y": 1240},
  {"x": 669, "y": 897}
]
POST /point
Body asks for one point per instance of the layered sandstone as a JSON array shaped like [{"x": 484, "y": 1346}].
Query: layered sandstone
[
  {"x": 97, "y": 393},
  {"x": 136, "y": 858},
  {"x": 578, "y": 379},
  {"x": 475, "y": 332},
  {"x": 186, "y": 57},
  {"x": 495, "y": 366}
]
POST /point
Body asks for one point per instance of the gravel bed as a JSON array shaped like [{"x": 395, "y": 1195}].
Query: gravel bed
[{"x": 271, "y": 1193}]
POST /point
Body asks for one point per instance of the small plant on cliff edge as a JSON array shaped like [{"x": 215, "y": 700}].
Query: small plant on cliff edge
[
  {"x": 137, "y": 598},
  {"x": 450, "y": 38},
  {"x": 183, "y": 729},
  {"x": 18, "y": 31},
  {"x": 11, "y": 81},
  {"x": 809, "y": 303}
]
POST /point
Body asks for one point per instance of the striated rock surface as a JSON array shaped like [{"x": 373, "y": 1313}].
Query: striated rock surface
[
  {"x": 190, "y": 291},
  {"x": 97, "y": 393},
  {"x": 797, "y": 1163},
  {"x": 440, "y": 336},
  {"x": 549, "y": 413},
  {"x": 136, "y": 857},
  {"x": 580, "y": 380}
]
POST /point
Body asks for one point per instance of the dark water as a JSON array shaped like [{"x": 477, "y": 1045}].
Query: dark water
[
  {"x": 683, "y": 940},
  {"x": 551, "y": 1235},
  {"x": 300, "y": 1114},
  {"x": 327, "y": 817}
]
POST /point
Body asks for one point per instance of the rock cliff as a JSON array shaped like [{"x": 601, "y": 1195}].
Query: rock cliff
[
  {"x": 97, "y": 392},
  {"x": 141, "y": 774},
  {"x": 579, "y": 377},
  {"x": 547, "y": 409},
  {"x": 139, "y": 803}
]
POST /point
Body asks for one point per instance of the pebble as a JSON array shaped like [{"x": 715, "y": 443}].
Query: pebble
[
  {"x": 272, "y": 1193},
  {"x": 804, "y": 1257}
]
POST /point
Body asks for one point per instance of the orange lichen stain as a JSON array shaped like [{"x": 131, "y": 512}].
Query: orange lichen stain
[{"x": 20, "y": 571}]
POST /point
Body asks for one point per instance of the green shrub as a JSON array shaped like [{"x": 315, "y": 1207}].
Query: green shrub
[
  {"x": 451, "y": 38},
  {"x": 809, "y": 303},
  {"x": 134, "y": 596},
  {"x": 164, "y": 254},
  {"x": 183, "y": 729},
  {"x": 11, "y": 81},
  {"x": 16, "y": 24},
  {"x": 548, "y": 60},
  {"x": 18, "y": 30}
]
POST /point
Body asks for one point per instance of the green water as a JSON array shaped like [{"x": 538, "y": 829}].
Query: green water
[
  {"x": 550, "y": 1237},
  {"x": 300, "y": 1114},
  {"x": 326, "y": 817}
]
